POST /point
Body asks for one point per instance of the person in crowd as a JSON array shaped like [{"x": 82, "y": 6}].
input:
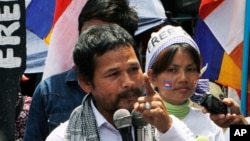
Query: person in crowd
[
  {"x": 173, "y": 65},
  {"x": 56, "y": 97},
  {"x": 233, "y": 117},
  {"x": 108, "y": 65},
  {"x": 22, "y": 110},
  {"x": 22, "y": 106}
]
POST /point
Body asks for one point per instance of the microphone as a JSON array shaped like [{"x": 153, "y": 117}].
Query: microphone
[
  {"x": 123, "y": 122},
  {"x": 140, "y": 125}
]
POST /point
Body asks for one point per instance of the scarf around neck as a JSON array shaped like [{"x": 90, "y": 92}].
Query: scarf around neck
[{"x": 82, "y": 124}]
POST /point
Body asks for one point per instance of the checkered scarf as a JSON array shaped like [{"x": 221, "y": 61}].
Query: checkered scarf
[
  {"x": 82, "y": 124},
  {"x": 83, "y": 127}
]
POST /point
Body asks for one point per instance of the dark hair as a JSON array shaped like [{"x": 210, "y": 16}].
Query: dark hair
[
  {"x": 164, "y": 59},
  {"x": 97, "y": 40},
  {"x": 113, "y": 11}
]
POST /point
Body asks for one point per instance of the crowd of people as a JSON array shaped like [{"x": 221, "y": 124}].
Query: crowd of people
[
  {"x": 79, "y": 104},
  {"x": 48, "y": 108}
]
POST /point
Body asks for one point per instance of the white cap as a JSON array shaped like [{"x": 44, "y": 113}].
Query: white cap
[{"x": 165, "y": 37}]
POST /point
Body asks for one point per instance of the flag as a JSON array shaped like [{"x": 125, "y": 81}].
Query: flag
[
  {"x": 59, "y": 27},
  {"x": 41, "y": 15},
  {"x": 40, "y": 19},
  {"x": 54, "y": 22},
  {"x": 219, "y": 33},
  {"x": 168, "y": 84},
  {"x": 65, "y": 32},
  {"x": 63, "y": 39}
]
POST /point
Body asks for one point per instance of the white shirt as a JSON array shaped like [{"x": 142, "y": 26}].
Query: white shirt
[
  {"x": 177, "y": 132},
  {"x": 107, "y": 131},
  {"x": 202, "y": 126}
]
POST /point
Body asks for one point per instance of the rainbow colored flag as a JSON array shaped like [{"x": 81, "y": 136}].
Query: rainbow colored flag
[
  {"x": 55, "y": 22},
  {"x": 219, "y": 34},
  {"x": 42, "y": 15}
]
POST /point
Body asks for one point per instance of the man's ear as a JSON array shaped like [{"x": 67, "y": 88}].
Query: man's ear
[{"x": 84, "y": 84}]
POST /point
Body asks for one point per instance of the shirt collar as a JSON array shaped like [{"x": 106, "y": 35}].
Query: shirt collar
[
  {"x": 99, "y": 117},
  {"x": 103, "y": 123},
  {"x": 71, "y": 77}
]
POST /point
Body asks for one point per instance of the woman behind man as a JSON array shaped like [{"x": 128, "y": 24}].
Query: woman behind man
[
  {"x": 108, "y": 66},
  {"x": 173, "y": 65}
]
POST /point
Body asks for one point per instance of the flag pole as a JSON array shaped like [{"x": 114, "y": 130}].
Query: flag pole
[{"x": 244, "y": 89}]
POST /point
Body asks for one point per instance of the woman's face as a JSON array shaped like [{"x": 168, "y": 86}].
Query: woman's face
[{"x": 177, "y": 83}]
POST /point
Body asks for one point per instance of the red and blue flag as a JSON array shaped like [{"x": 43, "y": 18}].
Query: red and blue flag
[{"x": 219, "y": 34}]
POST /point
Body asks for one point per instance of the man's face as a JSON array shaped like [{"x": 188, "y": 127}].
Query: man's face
[{"x": 118, "y": 80}]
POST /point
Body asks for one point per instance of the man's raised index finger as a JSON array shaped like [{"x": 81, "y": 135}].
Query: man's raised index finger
[{"x": 149, "y": 90}]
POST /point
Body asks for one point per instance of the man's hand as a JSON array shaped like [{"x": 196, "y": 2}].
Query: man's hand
[{"x": 152, "y": 108}]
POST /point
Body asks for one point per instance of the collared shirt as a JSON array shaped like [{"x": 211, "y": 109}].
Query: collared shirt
[
  {"x": 52, "y": 103},
  {"x": 177, "y": 132},
  {"x": 106, "y": 130}
]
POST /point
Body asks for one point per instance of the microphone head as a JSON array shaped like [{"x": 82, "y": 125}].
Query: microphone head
[
  {"x": 137, "y": 119},
  {"x": 122, "y": 118}
]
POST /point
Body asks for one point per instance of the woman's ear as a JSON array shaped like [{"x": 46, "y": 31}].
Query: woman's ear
[{"x": 84, "y": 84}]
